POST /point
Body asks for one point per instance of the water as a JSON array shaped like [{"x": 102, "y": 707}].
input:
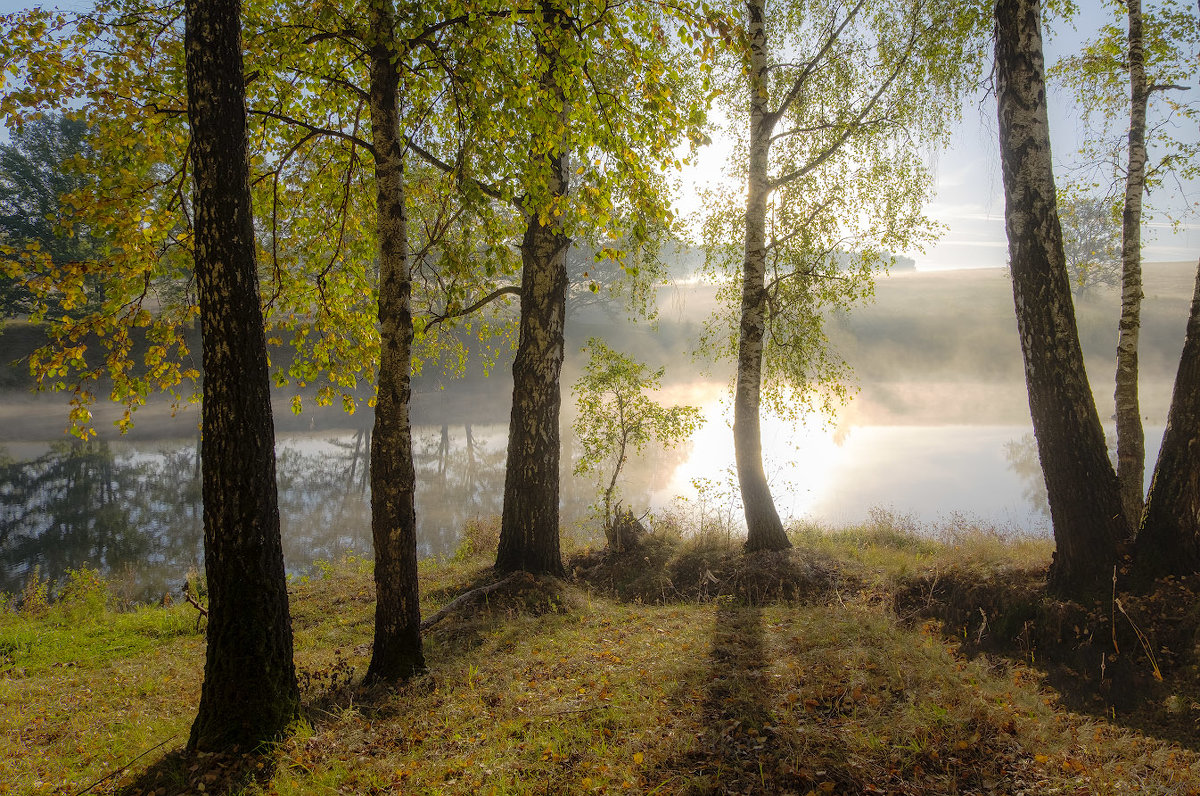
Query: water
[
  {"x": 940, "y": 430},
  {"x": 132, "y": 508}
]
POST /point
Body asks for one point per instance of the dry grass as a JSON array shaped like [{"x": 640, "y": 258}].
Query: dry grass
[
  {"x": 891, "y": 547},
  {"x": 575, "y": 687}
]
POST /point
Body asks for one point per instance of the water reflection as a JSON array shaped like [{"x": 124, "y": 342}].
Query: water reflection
[
  {"x": 1022, "y": 455},
  {"x": 133, "y": 509},
  {"x": 80, "y": 503}
]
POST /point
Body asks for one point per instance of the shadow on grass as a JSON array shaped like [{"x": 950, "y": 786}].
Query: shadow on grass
[
  {"x": 1131, "y": 659},
  {"x": 737, "y": 748},
  {"x": 182, "y": 772}
]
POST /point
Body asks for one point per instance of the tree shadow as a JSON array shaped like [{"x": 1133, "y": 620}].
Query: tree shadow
[
  {"x": 1129, "y": 659},
  {"x": 181, "y": 772},
  {"x": 738, "y": 748}
]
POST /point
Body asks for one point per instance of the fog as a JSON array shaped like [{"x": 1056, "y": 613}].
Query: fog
[{"x": 937, "y": 431}]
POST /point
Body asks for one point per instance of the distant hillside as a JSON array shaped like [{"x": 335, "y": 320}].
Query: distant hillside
[{"x": 934, "y": 347}]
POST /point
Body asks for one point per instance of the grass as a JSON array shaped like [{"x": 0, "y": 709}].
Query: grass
[
  {"x": 891, "y": 546},
  {"x": 686, "y": 669}
]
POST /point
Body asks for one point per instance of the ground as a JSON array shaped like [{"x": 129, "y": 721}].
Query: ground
[{"x": 857, "y": 663}]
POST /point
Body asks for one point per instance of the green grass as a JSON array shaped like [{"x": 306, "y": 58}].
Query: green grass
[
  {"x": 891, "y": 547},
  {"x": 81, "y": 684},
  {"x": 563, "y": 687}
]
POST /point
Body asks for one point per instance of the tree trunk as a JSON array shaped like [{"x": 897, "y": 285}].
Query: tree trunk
[
  {"x": 249, "y": 693},
  {"x": 529, "y": 521},
  {"x": 1131, "y": 441},
  {"x": 396, "y": 653},
  {"x": 612, "y": 482},
  {"x": 764, "y": 531},
  {"x": 1080, "y": 482},
  {"x": 1169, "y": 541}
]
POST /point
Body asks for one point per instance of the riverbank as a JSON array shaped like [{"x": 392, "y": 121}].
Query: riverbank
[{"x": 685, "y": 667}]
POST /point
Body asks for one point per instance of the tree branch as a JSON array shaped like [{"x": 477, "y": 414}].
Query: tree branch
[
  {"x": 855, "y": 125},
  {"x": 507, "y": 290},
  {"x": 312, "y": 128},
  {"x": 798, "y": 84},
  {"x": 466, "y": 597},
  {"x": 1167, "y": 87},
  {"x": 441, "y": 165}
]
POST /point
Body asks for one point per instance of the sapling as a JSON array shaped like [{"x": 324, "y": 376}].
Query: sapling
[{"x": 617, "y": 417}]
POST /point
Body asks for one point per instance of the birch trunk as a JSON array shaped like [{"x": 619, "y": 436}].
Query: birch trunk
[
  {"x": 1080, "y": 482},
  {"x": 529, "y": 521},
  {"x": 1169, "y": 540},
  {"x": 764, "y": 531},
  {"x": 1131, "y": 443},
  {"x": 397, "y": 652},
  {"x": 249, "y": 693}
]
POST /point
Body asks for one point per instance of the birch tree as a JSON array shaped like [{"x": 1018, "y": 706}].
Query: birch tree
[
  {"x": 1169, "y": 539},
  {"x": 832, "y": 101},
  {"x": 1152, "y": 56},
  {"x": 615, "y": 418},
  {"x": 326, "y": 96},
  {"x": 572, "y": 116},
  {"x": 249, "y": 693},
  {"x": 1081, "y": 485}
]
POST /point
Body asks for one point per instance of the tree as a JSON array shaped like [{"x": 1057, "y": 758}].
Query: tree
[
  {"x": 37, "y": 169},
  {"x": 1091, "y": 242},
  {"x": 1117, "y": 76},
  {"x": 615, "y": 417},
  {"x": 607, "y": 105},
  {"x": 308, "y": 101},
  {"x": 833, "y": 96},
  {"x": 1169, "y": 539},
  {"x": 397, "y": 649},
  {"x": 1131, "y": 440},
  {"x": 1080, "y": 482},
  {"x": 250, "y": 693},
  {"x": 311, "y": 89},
  {"x": 529, "y": 521}
]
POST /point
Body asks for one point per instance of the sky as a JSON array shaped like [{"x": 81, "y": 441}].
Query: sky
[{"x": 969, "y": 198}]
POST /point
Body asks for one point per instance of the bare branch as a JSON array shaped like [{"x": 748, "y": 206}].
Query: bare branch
[{"x": 507, "y": 290}]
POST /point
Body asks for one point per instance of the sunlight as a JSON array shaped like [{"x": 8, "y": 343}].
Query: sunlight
[{"x": 800, "y": 458}]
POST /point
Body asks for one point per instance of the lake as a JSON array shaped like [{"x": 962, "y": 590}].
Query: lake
[{"x": 939, "y": 434}]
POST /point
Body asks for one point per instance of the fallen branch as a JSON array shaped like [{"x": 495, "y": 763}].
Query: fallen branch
[
  {"x": 125, "y": 767},
  {"x": 466, "y": 597}
]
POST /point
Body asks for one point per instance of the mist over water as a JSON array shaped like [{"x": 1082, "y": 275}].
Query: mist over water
[{"x": 937, "y": 431}]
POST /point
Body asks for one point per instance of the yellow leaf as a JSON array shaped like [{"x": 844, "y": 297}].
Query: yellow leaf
[{"x": 638, "y": 757}]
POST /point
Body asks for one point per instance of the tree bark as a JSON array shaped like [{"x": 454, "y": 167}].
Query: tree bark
[
  {"x": 397, "y": 652},
  {"x": 1169, "y": 540},
  {"x": 1131, "y": 441},
  {"x": 764, "y": 531},
  {"x": 529, "y": 534},
  {"x": 249, "y": 693},
  {"x": 1080, "y": 482}
]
